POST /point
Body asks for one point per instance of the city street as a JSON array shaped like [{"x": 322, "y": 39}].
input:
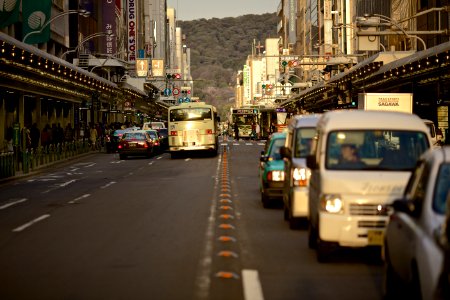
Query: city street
[{"x": 98, "y": 227}]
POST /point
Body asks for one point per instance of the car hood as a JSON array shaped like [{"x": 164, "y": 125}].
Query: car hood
[{"x": 390, "y": 184}]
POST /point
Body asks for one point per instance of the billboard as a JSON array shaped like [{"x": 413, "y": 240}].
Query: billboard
[
  {"x": 132, "y": 29},
  {"x": 109, "y": 26}
]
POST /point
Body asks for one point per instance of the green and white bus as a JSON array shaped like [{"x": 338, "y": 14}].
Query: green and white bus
[{"x": 193, "y": 126}]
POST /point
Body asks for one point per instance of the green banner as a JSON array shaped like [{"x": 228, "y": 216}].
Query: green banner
[
  {"x": 35, "y": 25},
  {"x": 9, "y": 12}
]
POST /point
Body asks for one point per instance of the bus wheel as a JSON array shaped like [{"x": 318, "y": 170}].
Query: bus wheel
[{"x": 174, "y": 155}]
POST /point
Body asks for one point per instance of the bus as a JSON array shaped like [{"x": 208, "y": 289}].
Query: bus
[
  {"x": 270, "y": 119},
  {"x": 193, "y": 126}
]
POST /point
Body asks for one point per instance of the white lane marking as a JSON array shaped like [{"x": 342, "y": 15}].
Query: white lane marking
[
  {"x": 91, "y": 165},
  {"x": 24, "y": 226},
  {"x": 67, "y": 183},
  {"x": 187, "y": 159},
  {"x": 203, "y": 279},
  {"x": 223, "y": 144},
  {"x": 159, "y": 157},
  {"x": 252, "y": 285},
  {"x": 13, "y": 203},
  {"x": 79, "y": 198},
  {"x": 236, "y": 144},
  {"x": 107, "y": 185},
  {"x": 150, "y": 163},
  {"x": 248, "y": 144},
  {"x": 261, "y": 144}
]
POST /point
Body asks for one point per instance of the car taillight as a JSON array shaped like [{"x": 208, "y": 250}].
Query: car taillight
[
  {"x": 275, "y": 176},
  {"x": 174, "y": 133},
  {"x": 120, "y": 146},
  {"x": 209, "y": 131}
]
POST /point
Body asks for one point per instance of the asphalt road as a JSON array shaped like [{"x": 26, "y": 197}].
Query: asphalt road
[{"x": 161, "y": 228}]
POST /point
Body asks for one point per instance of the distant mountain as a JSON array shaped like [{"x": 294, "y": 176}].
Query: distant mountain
[{"x": 219, "y": 48}]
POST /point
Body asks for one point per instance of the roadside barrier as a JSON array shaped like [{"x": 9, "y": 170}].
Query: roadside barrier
[{"x": 26, "y": 161}]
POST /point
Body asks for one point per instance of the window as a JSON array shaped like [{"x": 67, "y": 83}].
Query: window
[
  {"x": 442, "y": 190},
  {"x": 190, "y": 114},
  {"x": 303, "y": 141}
]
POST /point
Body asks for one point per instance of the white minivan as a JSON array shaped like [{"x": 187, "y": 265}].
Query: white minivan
[
  {"x": 300, "y": 132},
  {"x": 362, "y": 161}
]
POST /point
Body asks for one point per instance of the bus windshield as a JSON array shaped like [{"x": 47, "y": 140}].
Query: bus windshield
[{"x": 190, "y": 114}]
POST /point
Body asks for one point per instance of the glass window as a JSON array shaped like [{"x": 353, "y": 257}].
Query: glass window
[
  {"x": 190, "y": 114},
  {"x": 303, "y": 141},
  {"x": 442, "y": 189},
  {"x": 374, "y": 149},
  {"x": 275, "y": 150}
]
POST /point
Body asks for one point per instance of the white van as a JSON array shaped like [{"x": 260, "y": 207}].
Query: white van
[
  {"x": 362, "y": 161},
  {"x": 153, "y": 125},
  {"x": 300, "y": 133},
  {"x": 436, "y": 139}
]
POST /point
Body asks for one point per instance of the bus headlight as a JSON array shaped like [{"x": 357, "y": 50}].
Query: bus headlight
[
  {"x": 275, "y": 176},
  {"x": 332, "y": 204}
]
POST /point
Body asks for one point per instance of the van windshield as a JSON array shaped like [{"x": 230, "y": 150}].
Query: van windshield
[
  {"x": 374, "y": 149},
  {"x": 303, "y": 141}
]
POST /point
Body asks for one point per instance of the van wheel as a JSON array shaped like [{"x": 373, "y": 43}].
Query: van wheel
[
  {"x": 294, "y": 223},
  {"x": 391, "y": 283},
  {"x": 122, "y": 156}
]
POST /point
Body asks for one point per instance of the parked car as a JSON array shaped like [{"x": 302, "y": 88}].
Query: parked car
[
  {"x": 135, "y": 143},
  {"x": 271, "y": 170},
  {"x": 300, "y": 134},
  {"x": 413, "y": 252}
]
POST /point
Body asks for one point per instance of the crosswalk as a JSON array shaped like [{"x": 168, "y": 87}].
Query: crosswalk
[{"x": 234, "y": 142}]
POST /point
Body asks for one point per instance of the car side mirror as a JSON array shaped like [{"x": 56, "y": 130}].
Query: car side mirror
[
  {"x": 286, "y": 152},
  {"x": 263, "y": 157},
  {"x": 311, "y": 162},
  {"x": 406, "y": 206}
]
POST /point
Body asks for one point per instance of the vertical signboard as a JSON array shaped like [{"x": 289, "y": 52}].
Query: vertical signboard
[
  {"x": 109, "y": 26},
  {"x": 247, "y": 87},
  {"x": 132, "y": 29}
]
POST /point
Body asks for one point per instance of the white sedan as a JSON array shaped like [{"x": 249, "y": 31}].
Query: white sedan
[{"x": 413, "y": 249}]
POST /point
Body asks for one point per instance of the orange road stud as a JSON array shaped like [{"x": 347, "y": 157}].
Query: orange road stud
[
  {"x": 227, "y": 275},
  {"x": 226, "y": 216},
  {"x": 226, "y": 238},
  {"x": 226, "y": 207},
  {"x": 228, "y": 254},
  {"x": 226, "y": 226}
]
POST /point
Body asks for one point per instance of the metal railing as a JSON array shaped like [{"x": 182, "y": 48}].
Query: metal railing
[{"x": 23, "y": 162}]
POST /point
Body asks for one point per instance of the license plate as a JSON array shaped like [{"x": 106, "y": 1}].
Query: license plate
[
  {"x": 132, "y": 145},
  {"x": 375, "y": 237}
]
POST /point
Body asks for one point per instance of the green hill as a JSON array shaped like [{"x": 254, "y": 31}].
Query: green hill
[{"x": 219, "y": 48}]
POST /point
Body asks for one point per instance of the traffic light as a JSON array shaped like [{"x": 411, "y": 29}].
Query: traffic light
[{"x": 173, "y": 75}]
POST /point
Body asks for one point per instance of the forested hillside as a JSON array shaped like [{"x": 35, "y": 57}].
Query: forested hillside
[{"x": 219, "y": 48}]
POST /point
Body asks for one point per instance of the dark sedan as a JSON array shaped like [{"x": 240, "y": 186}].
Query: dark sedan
[{"x": 135, "y": 143}]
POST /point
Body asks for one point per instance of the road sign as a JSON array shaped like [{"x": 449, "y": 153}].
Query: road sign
[
  {"x": 176, "y": 91},
  {"x": 167, "y": 92},
  {"x": 142, "y": 67}
]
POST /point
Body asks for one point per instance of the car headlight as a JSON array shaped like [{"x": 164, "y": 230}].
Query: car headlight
[
  {"x": 301, "y": 176},
  {"x": 275, "y": 176},
  {"x": 332, "y": 204}
]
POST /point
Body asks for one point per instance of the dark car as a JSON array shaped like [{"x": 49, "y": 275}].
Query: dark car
[
  {"x": 153, "y": 133},
  {"x": 163, "y": 139},
  {"x": 112, "y": 139},
  {"x": 135, "y": 143}
]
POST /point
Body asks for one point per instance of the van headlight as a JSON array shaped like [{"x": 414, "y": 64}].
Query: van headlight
[{"x": 332, "y": 204}]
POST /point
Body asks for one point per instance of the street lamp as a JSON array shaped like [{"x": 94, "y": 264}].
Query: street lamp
[
  {"x": 81, "y": 12},
  {"x": 89, "y": 37}
]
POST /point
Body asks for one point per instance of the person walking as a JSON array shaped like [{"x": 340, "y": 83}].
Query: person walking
[
  {"x": 258, "y": 131},
  {"x": 93, "y": 135},
  {"x": 236, "y": 131}
]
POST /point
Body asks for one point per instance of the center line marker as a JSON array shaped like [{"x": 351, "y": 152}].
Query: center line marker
[
  {"x": 252, "y": 285},
  {"x": 79, "y": 198}
]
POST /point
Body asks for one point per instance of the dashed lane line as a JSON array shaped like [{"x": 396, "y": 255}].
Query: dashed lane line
[
  {"x": 13, "y": 203},
  {"x": 79, "y": 198},
  {"x": 24, "y": 226},
  {"x": 252, "y": 285},
  {"x": 108, "y": 184}
]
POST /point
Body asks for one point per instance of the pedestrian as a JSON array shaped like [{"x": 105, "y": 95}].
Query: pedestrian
[
  {"x": 93, "y": 135},
  {"x": 68, "y": 133},
  {"x": 35, "y": 136},
  {"x": 236, "y": 131},
  {"x": 258, "y": 131},
  {"x": 46, "y": 136}
]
